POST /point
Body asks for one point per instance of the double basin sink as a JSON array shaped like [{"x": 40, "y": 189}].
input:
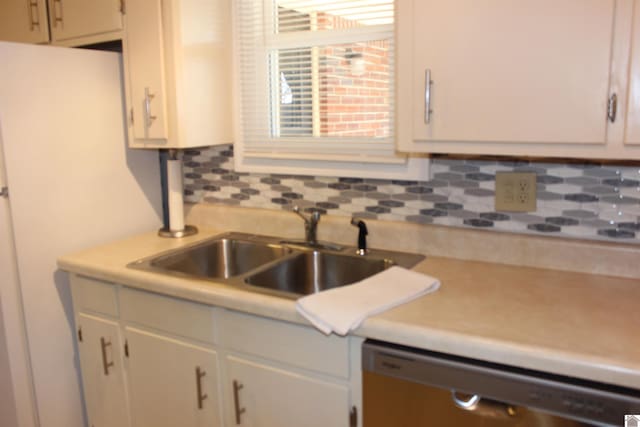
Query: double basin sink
[{"x": 274, "y": 266}]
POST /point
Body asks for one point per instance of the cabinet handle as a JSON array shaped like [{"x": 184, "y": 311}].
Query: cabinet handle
[
  {"x": 353, "y": 417},
  {"x": 106, "y": 365},
  {"x": 148, "y": 118},
  {"x": 57, "y": 18},
  {"x": 612, "y": 109},
  {"x": 34, "y": 15},
  {"x": 201, "y": 397},
  {"x": 237, "y": 386},
  {"x": 427, "y": 96}
]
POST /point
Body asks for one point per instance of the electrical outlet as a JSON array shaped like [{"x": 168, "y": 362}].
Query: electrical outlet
[{"x": 515, "y": 191}]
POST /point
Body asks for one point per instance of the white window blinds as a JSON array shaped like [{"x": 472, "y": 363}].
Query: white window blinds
[{"x": 316, "y": 77}]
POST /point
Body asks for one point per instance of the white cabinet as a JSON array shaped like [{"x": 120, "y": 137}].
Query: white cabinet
[
  {"x": 178, "y": 73},
  {"x": 172, "y": 382},
  {"x": 266, "y": 396},
  {"x": 105, "y": 395},
  {"x": 24, "y": 21},
  {"x": 519, "y": 78},
  {"x": 154, "y": 360},
  {"x": 632, "y": 130},
  {"x": 71, "y": 22},
  {"x": 73, "y": 19},
  {"x": 280, "y": 374}
]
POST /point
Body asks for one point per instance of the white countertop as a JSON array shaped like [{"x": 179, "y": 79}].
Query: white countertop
[{"x": 574, "y": 324}]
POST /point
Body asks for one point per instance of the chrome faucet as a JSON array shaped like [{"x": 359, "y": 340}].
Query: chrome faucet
[
  {"x": 362, "y": 235},
  {"x": 310, "y": 226}
]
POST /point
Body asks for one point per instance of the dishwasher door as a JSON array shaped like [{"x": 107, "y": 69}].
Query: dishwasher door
[
  {"x": 390, "y": 402},
  {"x": 407, "y": 387}
]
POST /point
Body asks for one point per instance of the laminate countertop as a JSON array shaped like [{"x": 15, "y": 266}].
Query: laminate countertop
[{"x": 574, "y": 324}]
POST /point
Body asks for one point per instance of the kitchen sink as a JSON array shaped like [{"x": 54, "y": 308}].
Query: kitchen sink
[
  {"x": 270, "y": 265},
  {"x": 221, "y": 258},
  {"x": 314, "y": 271}
]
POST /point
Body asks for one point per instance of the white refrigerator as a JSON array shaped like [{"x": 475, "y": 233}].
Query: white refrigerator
[{"x": 72, "y": 184}]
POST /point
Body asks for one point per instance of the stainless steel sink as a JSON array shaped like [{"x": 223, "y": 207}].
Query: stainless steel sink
[
  {"x": 315, "y": 271},
  {"x": 221, "y": 258},
  {"x": 269, "y": 265}
]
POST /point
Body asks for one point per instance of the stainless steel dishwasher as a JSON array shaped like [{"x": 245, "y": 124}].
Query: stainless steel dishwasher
[{"x": 407, "y": 387}]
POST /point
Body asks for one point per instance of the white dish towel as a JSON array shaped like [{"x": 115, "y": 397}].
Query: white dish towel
[{"x": 343, "y": 309}]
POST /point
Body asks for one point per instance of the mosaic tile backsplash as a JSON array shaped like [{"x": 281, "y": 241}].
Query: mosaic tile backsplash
[{"x": 579, "y": 199}]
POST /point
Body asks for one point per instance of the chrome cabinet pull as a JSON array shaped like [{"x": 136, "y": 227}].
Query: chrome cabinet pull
[
  {"x": 57, "y": 18},
  {"x": 236, "y": 401},
  {"x": 148, "y": 118},
  {"x": 34, "y": 15},
  {"x": 106, "y": 365},
  {"x": 201, "y": 397},
  {"x": 612, "y": 109},
  {"x": 487, "y": 408},
  {"x": 427, "y": 96}
]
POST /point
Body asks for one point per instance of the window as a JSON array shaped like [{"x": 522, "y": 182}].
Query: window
[{"x": 315, "y": 82}]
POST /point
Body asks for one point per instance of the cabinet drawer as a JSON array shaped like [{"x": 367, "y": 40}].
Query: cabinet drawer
[
  {"x": 176, "y": 316},
  {"x": 288, "y": 343},
  {"x": 94, "y": 295}
]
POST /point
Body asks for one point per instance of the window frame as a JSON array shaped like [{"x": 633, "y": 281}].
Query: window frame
[{"x": 316, "y": 155}]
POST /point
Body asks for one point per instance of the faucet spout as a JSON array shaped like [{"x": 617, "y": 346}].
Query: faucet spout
[
  {"x": 362, "y": 235},
  {"x": 310, "y": 225}
]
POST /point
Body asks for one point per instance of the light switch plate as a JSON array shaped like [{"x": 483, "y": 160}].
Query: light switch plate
[{"x": 516, "y": 191}]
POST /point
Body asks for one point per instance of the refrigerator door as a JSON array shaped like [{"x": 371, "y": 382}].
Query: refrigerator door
[{"x": 73, "y": 184}]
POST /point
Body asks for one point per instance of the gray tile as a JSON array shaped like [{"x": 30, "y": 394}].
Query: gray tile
[
  {"x": 378, "y": 209},
  {"x": 403, "y": 183},
  {"x": 480, "y": 176},
  {"x": 544, "y": 228},
  {"x": 620, "y": 200},
  {"x": 448, "y": 176},
  {"x": 292, "y": 195},
  {"x": 600, "y": 189},
  {"x": 315, "y": 184},
  {"x": 495, "y": 216},
  {"x": 339, "y": 200},
  {"x": 479, "y": 192},
  {"x": 463, "y": 213},
  {"x": 250, "y": 191},
  {"x": 600, "y": 172},
  {"x": 240, "y": 184},
  {"x": 280, "y": 201},
  {"x": 581, "y": 197},
  {"x": 365, "y": 215},
  {"x": 549, "y": 179},
  {"x": 548, "y": 195},
  {"x": 240, "y": 196},
  {"x": 419, "y": 219},
  {"x": 339, "y": 186},
  {"x": 616, "y": 233},
  {"x": 419, "y": 189},
  {"x": 436, "y": 183},
  {"x": 448, "y": 206},
  {"x": 376, "y": 195},
  {"x": 619, "y": 182},
  {"x": 582, "y": 180},
  {"x": 561, "y": 221},
  {"x": 435, "y": 198},
  {"x": 433, "y": 212},
  {"x": 478, "y": 222},
  {"x": 281, "y": 188},
  {"x": 365, "y": 187},
  {"x": 631, "y": 226},
  {"x": 579, "y": 213},
  {"x": 465, "y": 184},
  {"x": 405, "y": 196},
  {"x": 327, "y": 205},
  {"x": 391, "y": 203}
]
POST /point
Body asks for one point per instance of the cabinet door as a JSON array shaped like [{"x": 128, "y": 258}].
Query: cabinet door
[
  {"x": 80, "y": 18},
  {"x": 24, "y": 21},
  {"x": 172, "y": 383},
  {"x": 504, "y": 71},
  {"x": 145, "y": 71},
  {"x": 264, "y": 396},
  {"x": 100, "y": 347},
  {"x": 632, "y": 131}
]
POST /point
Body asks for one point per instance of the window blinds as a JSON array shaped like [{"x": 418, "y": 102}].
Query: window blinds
[{"x": 316, "y": 76}]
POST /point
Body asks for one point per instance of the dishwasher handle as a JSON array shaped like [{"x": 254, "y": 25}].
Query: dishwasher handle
[{"x": 483, "y": 407}]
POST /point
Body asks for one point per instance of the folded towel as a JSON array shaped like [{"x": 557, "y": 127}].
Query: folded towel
[{"x": 343, "y": 309}]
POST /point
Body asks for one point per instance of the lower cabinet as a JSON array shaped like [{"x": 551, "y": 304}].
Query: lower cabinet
[
  {"x": 171, "y": 382},
  {"x": 267, "y": 396},
  {"x": 102, "y": 371},
  {"x": 150, "y": 360}
]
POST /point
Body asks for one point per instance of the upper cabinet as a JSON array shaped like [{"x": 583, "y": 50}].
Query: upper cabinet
[
  {"x": 178, "y": 73},
  {"x": 533, "y": 77},
  {"x": 24, "y": 21},
  {"x": 73, "y": 19},
  {"x": 72, "y": 22}
]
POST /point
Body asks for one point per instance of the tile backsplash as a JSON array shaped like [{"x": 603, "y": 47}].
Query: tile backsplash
[{"x": 579, "y": 199}]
